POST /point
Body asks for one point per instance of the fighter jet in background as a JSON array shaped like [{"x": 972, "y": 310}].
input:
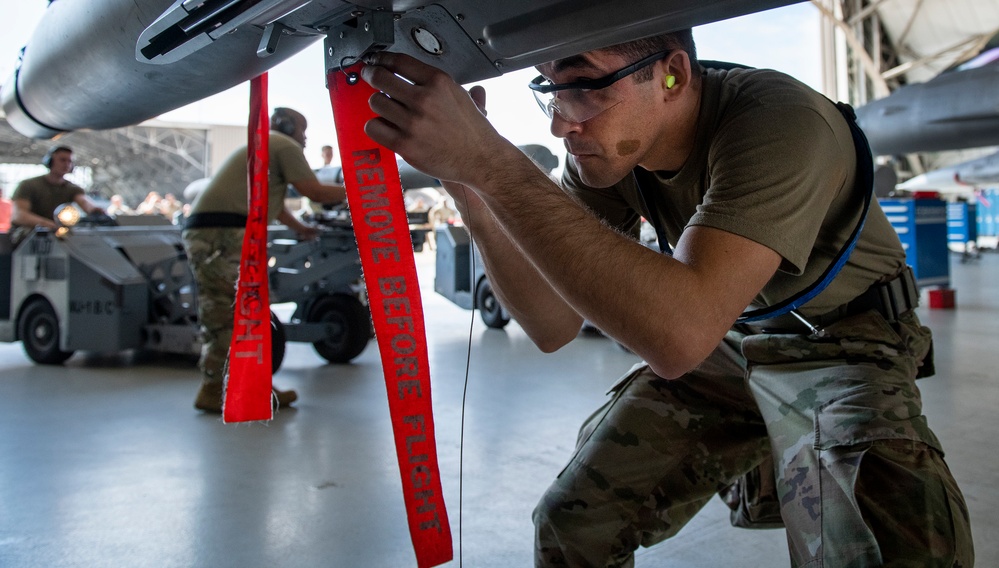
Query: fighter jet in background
[
  {"x": 963, "y": 178},
  {"x": 955, "y": 110}
]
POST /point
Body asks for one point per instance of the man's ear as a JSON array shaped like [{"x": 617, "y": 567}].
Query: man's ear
[{"x": 676, "y": 71}]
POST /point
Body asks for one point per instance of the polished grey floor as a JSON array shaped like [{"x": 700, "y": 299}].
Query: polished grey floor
[{"x": 104, "y": 463}]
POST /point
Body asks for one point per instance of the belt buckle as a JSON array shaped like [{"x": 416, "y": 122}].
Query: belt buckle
[
  {"x": 887, "y": 298},
  {"x": 898, "y": 295},
  {"x": 910, "y": 288}
]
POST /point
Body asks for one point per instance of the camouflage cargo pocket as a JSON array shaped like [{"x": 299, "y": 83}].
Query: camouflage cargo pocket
[{"x": 856, "y": 381}]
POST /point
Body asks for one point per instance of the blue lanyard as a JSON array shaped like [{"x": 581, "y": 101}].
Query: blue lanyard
[{"x": 865, "y": 184}]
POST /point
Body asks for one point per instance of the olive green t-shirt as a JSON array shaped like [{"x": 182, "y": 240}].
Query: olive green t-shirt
[
  {"x": 227, "y": 193},
  {"x": 45, "y": 196},
  {"x": 773, "y": 161}
]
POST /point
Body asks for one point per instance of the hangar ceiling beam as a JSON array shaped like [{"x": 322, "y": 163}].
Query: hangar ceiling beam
[
  {"x": 966, "y": 49},
  {"x": 903, "y": 37},
  {"x": 863, "y": 14},
  {"x": 871, "y": 69}
]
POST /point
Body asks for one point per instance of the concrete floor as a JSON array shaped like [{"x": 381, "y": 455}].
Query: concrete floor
[{"x": 106, "y": 464}]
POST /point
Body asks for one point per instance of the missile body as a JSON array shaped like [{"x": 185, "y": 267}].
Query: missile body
[
  {"x": 79, "y": 69},
  {"x": 103, "y": 64}
]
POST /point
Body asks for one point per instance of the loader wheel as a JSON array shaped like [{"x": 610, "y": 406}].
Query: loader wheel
[
  {"x": 278, "y": 341},
  {"x": 348, "y": 327},
  {"x": 489, "y": 306},
  {"x": 39, "y": 333}
]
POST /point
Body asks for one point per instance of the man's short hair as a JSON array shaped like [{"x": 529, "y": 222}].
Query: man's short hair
[
  {"x": 640, "y": 48},
  {"x": 47, "y": 158},
  {"x": 285, "y": 120}
]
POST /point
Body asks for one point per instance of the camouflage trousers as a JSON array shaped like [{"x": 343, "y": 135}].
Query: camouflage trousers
[
  {"x": 860, "y": 475},
  {"x": 214, "y": 254}
]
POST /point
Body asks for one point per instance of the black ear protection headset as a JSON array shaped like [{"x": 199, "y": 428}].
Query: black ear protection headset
[
  {"x": 283, "y": 121},
  {"x": 47, "y": 158}
]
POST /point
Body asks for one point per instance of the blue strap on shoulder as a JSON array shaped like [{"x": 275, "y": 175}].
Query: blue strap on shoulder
[{"x": 865, "y": 184}]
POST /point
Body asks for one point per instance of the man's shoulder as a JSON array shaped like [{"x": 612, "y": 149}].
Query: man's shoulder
[
  {"x": 288, "y": 159},
  {"x": 29, "y": 187},
  {"x": 279, "y": 140},
  {"x": 285, "y": 148},
  {"x": 748, "y": 100},
  {"x": 737, "y": 74},
  {"x": 31, "y": 182},
  {"x": 762, "y": 87}
]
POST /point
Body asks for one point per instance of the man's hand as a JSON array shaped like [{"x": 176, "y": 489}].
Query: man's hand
[
  {"x": 88, "y": 206},
  {"x": 307, "y": 232},
  {"x": 21, "y": 214},
  {"x": 462, "y": 195},
  {"x": 432, "y": 122},
  {"x": 304, "y": 232}
]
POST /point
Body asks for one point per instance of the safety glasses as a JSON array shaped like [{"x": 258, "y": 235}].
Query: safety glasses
[{"x": 584, "y": 99}]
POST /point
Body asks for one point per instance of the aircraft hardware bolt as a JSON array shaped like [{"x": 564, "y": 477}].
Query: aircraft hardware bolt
[
  {"x": 427, "y": 41},
  {"x": 460, "y": 17},
  {"x": 480, "y": 42},
  {"x": 357, "y": 13}
]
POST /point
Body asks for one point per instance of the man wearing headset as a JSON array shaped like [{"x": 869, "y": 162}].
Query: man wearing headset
[
  {"x": 36, "y": 199},
  {"x": 751, "y": 179},
  {"x": 213, "y": 238}
]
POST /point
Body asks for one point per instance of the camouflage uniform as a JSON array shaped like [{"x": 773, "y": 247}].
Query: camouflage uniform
[
  {"x": 214, "y": 255},
  {"x": 861, "y": 477},
  {"x": 213, "y": 238},
  {"x": 840, "y": 416}
]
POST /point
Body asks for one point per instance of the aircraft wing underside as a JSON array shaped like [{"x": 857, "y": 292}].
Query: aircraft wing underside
[{"x": 132, "y": 60}]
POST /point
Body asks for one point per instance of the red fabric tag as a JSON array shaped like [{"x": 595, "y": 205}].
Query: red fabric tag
[
  {"x": 248, "y": 385},
  {"x": 374, "y": 194}
]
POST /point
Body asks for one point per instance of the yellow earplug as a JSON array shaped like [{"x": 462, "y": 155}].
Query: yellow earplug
[{"x": 669, "y": 81}]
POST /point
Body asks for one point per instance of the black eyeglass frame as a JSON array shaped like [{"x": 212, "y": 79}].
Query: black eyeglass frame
[{"x": 600, "y": 82}]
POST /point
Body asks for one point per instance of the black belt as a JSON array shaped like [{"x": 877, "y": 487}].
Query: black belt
[
  {"x": 891, "y": 299},
  {"x": 215, "y": 221}
]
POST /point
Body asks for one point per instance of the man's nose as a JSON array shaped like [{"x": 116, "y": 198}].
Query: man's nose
[{"x": 560, "y": 127}]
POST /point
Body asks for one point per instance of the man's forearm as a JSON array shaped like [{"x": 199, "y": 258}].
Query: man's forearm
[
  {"x": 320, "y": 192},
  {"x": 604, "y": 276},
  {"x": 544, "y": 315},
  {"x": 288, "y": 219},
  {"x": 91, "y": 208},
  {"x": 670, "y": 311},
  {"x": 29, "y": 219}
]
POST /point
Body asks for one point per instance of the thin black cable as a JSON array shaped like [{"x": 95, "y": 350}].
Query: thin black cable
[{"x": 464, "y": 391}]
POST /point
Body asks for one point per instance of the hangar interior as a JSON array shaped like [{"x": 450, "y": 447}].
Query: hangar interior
[
  {"x": 106, "y": 463},
  {"x": 871, "y": 48},
  {"x": 131, "y": 161}
]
